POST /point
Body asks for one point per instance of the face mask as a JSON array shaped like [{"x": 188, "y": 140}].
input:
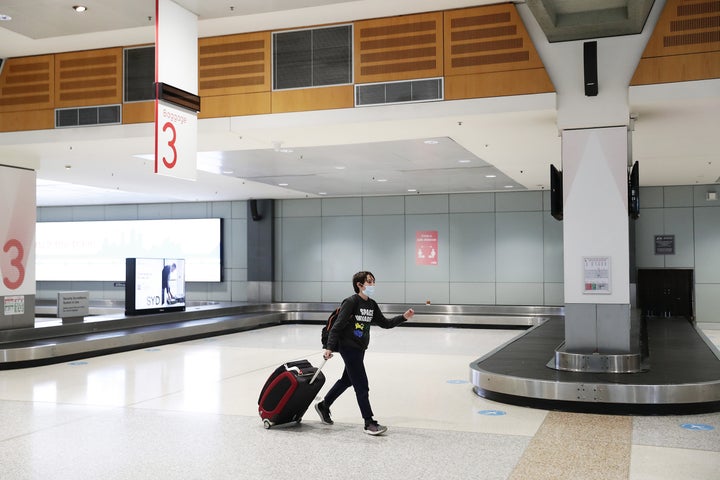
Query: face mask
[{"x": 369, "y": 290}]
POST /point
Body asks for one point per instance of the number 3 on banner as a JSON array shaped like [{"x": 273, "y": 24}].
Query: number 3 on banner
[
  {"x": 15, "y": 262},
  {"x": 171, "y": 144}
]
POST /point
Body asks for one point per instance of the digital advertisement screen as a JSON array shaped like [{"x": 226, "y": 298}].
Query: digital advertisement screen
[
  {"x": 96, "y": 250},
  {"x": 154, "y": 285}
]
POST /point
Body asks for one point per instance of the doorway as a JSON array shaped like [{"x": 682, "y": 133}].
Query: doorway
[{"x": 665, "y": 292}]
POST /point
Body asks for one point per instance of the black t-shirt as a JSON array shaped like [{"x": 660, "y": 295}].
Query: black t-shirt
[{"x": 352, "y": 327}]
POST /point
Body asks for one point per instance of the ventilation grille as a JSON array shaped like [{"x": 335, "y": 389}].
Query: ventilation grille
[
  {"x": 399, "y": 92},
  {"x": 234, "y": 64},
  {"x": 87, "y": 116},
  {"x": 26, "y": 83},
  {"x": 487, "y": 39},
  {"x": 398, "y": 48},
  {"x": 695, "y": 24}
]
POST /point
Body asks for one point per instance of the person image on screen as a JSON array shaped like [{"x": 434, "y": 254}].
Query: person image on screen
[
  {"x": 166, "y": 271},
  {"x": 350, "y": 336}
]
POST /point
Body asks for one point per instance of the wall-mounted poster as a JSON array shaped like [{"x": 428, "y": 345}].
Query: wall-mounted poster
[
  {"x": 426, "y": 247},
  {"x": 596, "y": 274}
]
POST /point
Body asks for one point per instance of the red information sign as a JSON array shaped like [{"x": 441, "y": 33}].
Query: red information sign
[{"x": 426, "y": 247}]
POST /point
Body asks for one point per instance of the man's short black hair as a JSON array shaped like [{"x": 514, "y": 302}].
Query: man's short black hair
[{"x": 361, "y": 277}]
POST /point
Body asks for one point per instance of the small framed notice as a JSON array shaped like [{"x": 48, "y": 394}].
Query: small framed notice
[
  {"x": 664, "y": 244},
  {"x": 596, "y": 275}
]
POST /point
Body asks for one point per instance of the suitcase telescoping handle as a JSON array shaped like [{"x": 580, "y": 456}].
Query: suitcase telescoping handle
[{"x": 317, "y": 372}]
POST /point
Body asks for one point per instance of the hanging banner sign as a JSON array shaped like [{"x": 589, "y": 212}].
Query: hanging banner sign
[
  {"x": 426, "y": 247},
  {"x": 176, "y": 81},
  {"x": 175, "y": 141},
  {"x": 17, "y": 235}
]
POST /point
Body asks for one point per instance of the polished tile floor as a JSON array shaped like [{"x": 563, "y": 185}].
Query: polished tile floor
[{"x": 189, "y": 411}]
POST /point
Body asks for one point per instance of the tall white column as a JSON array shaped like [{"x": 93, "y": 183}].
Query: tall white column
[{"x": 596, "y": 240}]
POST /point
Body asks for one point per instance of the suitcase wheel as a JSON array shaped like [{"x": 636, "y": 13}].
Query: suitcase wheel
[{"x": 267, "y": 423}]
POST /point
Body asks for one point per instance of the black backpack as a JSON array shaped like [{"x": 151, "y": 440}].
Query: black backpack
[{"x": 329, "y": 324}]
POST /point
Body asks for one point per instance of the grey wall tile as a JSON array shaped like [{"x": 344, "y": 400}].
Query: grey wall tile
[
  {"x": 651, "y": 197},
  {"x": 426, "y": 204},
  {"x": 342, "y": 246},
  {"x": 301, "y": 250},
  {"x": 383, "y": 205},
  {"x": 677, "y": 196},
  {"x": 383, "y": 250},
  {"x": 518, "y": 201},
  {"x": 519, "y": 252},
  {"x": 472, "y": 202},
  {"x": 341, "y": 206},
  {"x": 472, "y": 293},
  {"x": 472, "y": 247}
]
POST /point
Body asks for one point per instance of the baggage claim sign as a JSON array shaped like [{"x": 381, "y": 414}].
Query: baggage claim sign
[
  {"x": 17, "y": 238},
  {"x": 176, "y": 86}
]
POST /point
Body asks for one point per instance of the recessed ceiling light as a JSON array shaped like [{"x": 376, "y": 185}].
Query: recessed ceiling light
[
  {"x": 79, "y": 8},
  {"x": 228, "y": 172},
  {"x": 490, "y": 176},
  {"x": 508, "y": 186},
  {"x": 464, "y": 161},
  {"x": 5, "y": 18},
  {"x": 283, "y": 184},
  {"x": 322, "y": 193},
  {"x": 339, "y": 167},
  {"x": 285, "y": 150},
  {"x": 382, "y": 180},
  {"x": 431, "y": 142},
  {"x": 412, "y": 189}
]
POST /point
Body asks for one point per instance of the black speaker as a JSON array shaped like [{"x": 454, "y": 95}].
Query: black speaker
[
  {"x": 556, "y": 193},
  {"x": 254, "y": 213},
  {"x": 634, "y": 191},
  {"x": 590, "y": 67}
]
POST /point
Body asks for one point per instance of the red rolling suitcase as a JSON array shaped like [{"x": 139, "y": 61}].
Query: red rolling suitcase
[{"x": 288, "y": 392}]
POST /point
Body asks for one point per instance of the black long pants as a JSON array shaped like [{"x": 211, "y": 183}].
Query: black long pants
[{"x": 354, "y": 375}]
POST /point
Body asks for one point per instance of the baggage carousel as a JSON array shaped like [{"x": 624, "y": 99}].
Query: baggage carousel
[
  {"x": 108, "y": 330},
  {"x": 680, "y": 374}
]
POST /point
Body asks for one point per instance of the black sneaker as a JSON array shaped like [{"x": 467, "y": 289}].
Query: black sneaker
[
  {"x": 374, "y": 428},
  {"x": 324, "y": 413}
]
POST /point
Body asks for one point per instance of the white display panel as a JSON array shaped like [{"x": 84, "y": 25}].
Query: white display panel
[
  {"x": 158, "y": 283},
  {"x": 96, "y": 250}
]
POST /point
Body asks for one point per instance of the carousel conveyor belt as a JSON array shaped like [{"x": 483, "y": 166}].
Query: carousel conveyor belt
[
  {"x": 681, "y": 374},
  {"x": 112, "y": 331}
]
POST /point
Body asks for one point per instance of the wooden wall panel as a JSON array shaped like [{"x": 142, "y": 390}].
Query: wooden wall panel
[
  {"x": 27, "y": 84},
  {"x": 497, "y": 84},
  {"x": 236, "y": 105},
  {"x": 88, "y": 78},
  {"x": 487, "y": 39},
  {"x": 234, "y": 64},
  {"x": 677, "y": 68},
  {"x": 684, "y": 46},
  {"x": 306, "y": 99},
  {"x": 138, "y": 112},
  {"x": 27, "y": 120},
  {"x": 398, "y": 48},
  {"x": 686, "y": 26}
]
